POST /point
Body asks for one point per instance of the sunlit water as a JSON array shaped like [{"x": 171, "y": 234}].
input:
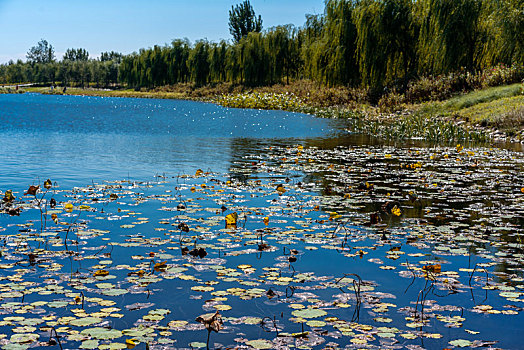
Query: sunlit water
[{"x": 75, "y": 139}]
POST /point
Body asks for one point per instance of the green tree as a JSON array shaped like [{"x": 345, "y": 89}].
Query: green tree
[
  {"x": 385, "y": 41},
  {"x": 310, "y": 38},
  {"x": 111, "y": 56},
  {"x": 338, "y": 44},
  {"x": 43, "y": 52},
  {"x": 502, "y": 30},
  {"x": 76, "y": 55},
  {"x": 242, "y": 20},
  {"x": 217, "y": 61},
  {"x": 198, "y": 63},
  {"x": 449, "y": 35}
]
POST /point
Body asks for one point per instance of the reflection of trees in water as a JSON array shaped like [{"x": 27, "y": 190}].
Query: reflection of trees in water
[
  {"x": 246, "y": 154},
  {"x": 243, "y": 153}
]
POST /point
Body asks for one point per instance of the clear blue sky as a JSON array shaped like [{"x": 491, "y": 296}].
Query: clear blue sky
[{"x": 128, "y": 25}]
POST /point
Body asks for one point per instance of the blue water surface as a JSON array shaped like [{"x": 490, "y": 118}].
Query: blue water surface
[{"x": 77, "y": 139}]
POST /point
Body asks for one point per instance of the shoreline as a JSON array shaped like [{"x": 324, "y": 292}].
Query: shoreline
[{"x": 485, "y": 115}]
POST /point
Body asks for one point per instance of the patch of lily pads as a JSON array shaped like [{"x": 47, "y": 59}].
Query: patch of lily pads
[{"x": 307, "y": 247}]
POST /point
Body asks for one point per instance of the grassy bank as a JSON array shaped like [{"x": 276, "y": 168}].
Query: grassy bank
[
  {"x": 108, "y": 93},
  {"x": 10, "y": 90},
  {"x": 497, "y": 111}
]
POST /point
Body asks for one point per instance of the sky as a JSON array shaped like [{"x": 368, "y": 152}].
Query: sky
[{"x": 128, "y": 25}]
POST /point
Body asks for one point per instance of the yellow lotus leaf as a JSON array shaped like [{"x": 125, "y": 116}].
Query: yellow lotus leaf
[
  {"x": 8, "y": 196},
  {"x": 231, "y": 219},
  {"x": 131, "y": 343},
  {"x": 48, "y": 184},
  {"x": 101, "y": 273},
  {"x": 161, "y": 265},
  {"x": 68, "y": 207},
  {"x": 281, "y": 189},
  {"x": 396, "y": 211}
]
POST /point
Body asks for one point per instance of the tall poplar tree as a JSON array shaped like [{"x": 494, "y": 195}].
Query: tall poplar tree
[{"x": 242, "y": 20}]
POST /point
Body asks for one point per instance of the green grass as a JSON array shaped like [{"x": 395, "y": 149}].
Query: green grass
[
  {"x": 500, "y": 108},
  {"x": 109, "y": 93},
  {"x": 482, "y": 96},
  {"x": 493, "y": 109}
]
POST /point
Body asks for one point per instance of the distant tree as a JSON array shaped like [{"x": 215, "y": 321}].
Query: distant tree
[
  {"x": 198, "y": 63},
  {"x": 111, "y": 56},
  {"x": 76, "y": 55},
  {"x": 43, "y": 52},
  {"x": 242, "y": 20}
]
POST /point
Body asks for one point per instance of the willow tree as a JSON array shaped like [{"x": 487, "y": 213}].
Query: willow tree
[
  {"x": 385, "y": 41},
  {"x": 217, "y": 61},
  {"x": 176, "y": 57},
  {"x": 449, "y": 35},
  {"x": 198, "y": 63},
  {"x": 310, "y": 37},
  {"x": 337, "y": 52},
  {"x": 502, "y": 26},
  {"x": 234, "y": 64},
  {"x": 255, "y": 60},
  {"x": 284, "y": 55}
]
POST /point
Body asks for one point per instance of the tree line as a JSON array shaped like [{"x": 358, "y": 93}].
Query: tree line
[
  {"x": 366, "y": 43},
  {"x": 75, "y": 68}
]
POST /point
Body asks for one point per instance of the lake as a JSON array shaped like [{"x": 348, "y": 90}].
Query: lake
[
  {"x": 77, "y": 139},
  {"x": 298, "y": 232}
]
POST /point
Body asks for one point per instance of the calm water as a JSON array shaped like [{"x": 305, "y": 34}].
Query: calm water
[{"x": 75, "y": 139}]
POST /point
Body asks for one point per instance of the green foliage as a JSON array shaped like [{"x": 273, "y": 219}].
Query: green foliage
[
  {"x": 43, "y": 52},
  {"x": 400, "y": 51},
  {"x": 111, "y": 56},
  {"x": 242, "y": 20},
  {"x": 198, "y": 63},
  {"x": 288, "y": 102},
  {"x": 76, "y": 55},
  {"x": 449, "y": 35}
]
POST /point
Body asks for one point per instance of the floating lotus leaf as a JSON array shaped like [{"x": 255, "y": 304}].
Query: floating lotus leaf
[
  {"x": 89, "y": 344},
  {"x": 114, "y": 292},
  {"x": 102, "y": 333},
  {"x": 153, "y": 317},
  {"x": 177, "y": 324},
  {"x": 58, "y": 304},
  {"x": 309, "y": 313},
  {"x": 113, "y": 346},
  {"x": 461, "y": 343},
  {"x": 386, "y": 335},
  {"x": 85, "y": 321},
  {"x": 15, "y": 346},
  {"x": 510, "y": 294},
  {"x": 197, "y": 344},
  {"x": 24, "y": 338},
  {"x": 260, "y": 344},
  {"x": 316, "y": 323},
  {"x": 252, "y": 320},
  {"x": 105, "y": 285}
]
